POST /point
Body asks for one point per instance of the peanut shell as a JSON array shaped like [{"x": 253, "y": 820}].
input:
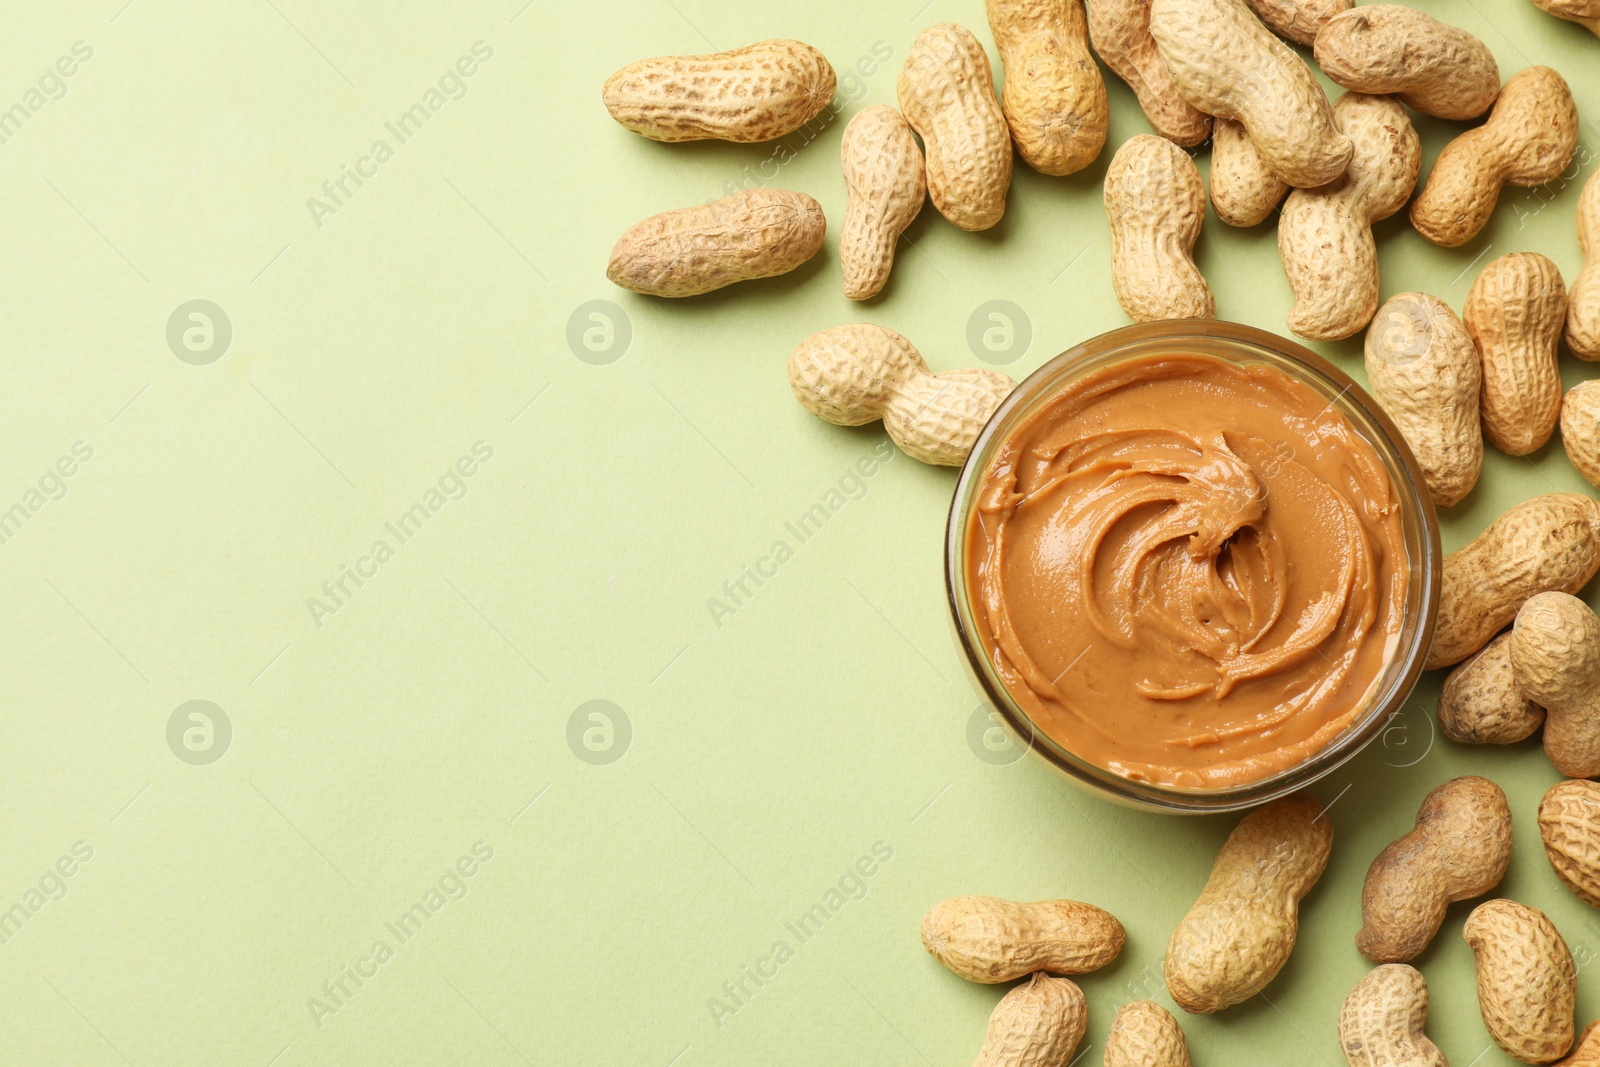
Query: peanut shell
[
  {"x": 1037, "y": 1024},
  {"x": 1054, "y": 99},
  {"x": 989, "y": 940},
  {"x": 1382, "y": 1021},
  {"x": 1527, "y": 984},
  {"x": 883, "y": 177},
  {"x": 1569, "y": 826},
  {"x": 1144, "y": 1034},
  {"x": 1555, "y": 655},
  {"x": 1120, "y": 32},
  {"x": 1480, "y": 703},
  {"x": 1514, "y": 314},
  {"x": 1434, "y": 68},
  {"x": 1580, "y": 428},
  {"x": 1583, "y": 310},
  {"x": 1243, "y": 189},
  {"x": 1156, "y": 202}
]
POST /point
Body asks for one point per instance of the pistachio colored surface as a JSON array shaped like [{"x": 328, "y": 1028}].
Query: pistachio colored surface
[{"x": 769, "y": 748}]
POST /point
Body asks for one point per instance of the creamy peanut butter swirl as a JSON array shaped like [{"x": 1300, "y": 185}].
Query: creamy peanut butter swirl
[{"x": 1188, "y": 572}]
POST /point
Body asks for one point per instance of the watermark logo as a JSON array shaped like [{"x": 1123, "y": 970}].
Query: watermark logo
[
  {"x": 599, "y": 732},
  {"x": 999, "y": 332},
  {"x": 199, "y": 332},
  {"x": 599, "y": 332},
  {"x": 199, "y": 733},
  {"x": 991, "y": 740},
  {"x": 1405, "y": 743}
]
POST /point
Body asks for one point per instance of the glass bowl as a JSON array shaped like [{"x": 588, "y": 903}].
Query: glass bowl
[{"x": 1240, "y": 345}]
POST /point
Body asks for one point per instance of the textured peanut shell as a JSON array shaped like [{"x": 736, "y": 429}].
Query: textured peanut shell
[
  {"x": 1053, "y": 99},
  {"x": 1480, "y": 703},
  {"x": 1037, "y": 1024},
  {"x": 853, "y": 375},
  {"x": 883, "y": 178},
  {"x": 1580, "y": 428},
  {"x": 1555, "y": 655},
  {"x": 1459, "y": 849},
  {"x": 1585, "y": 13},
  {"x": 1434, "y": 68},
  {"x": 1529, "y": 140},
  {"x": 1120, "y": 32},
  {"x": 1527, "y": 984},
  {"x": 1583, "y": 310},
  {"x": 1586, "y": 1053},
  {"x": 1325, "y": 234},
  {"x": 1550, "y": 542},
  {"x": 1382, "y": 1021},
  {"x": 1144, "y": 1034},
  {"x": 1569, "y": 826},
  {"x": 1156, "y": 203},
  {"x": 1514, "y": 314},
  {"x": 755, "y": 233},
  {"x": 758, "y": 93},
  {"x": 989, "y": 940},
  {"x": 1227, "y": 64},
  {"x": 1239, "y": 934},
  {"x": 1301, "y": 21},
  {"x": 1243, "y": 189},
  {"x": 947, "y": 94},
  {"x": 1424, "y": 371}
]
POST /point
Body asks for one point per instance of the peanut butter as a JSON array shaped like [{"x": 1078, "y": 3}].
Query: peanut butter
[{"x": 1188, "y": 572}]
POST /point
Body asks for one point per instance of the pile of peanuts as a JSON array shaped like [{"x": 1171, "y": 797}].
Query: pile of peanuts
[{"x": 1221, "y": 70}]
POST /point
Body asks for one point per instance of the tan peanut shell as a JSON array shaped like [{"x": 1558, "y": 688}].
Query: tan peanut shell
[
  {"x": 755, "y": 233},
  {"x": 1301, "y": 21},
  {"x": 1054, "y": 99},
  {"x": 1382, "y": 1021},
  {"x": 1434, "y": 68},
  {"x": 989, "y": 940},
  {"x": 1514, "y": 313},
  {"x": 1529, "y": 140},
  {"x": 1585, "y": 13},
  {"x": 1243, "y": 189},
  {"x": 884, "y": 182},
  {"x": 1424, "y": 371},
  {"x": 853, "y": 375},
  {"x": 1156, "y": 203},
  {"x": 1239, "y": 934},
  {"x": 1583, "y": 310},
  {"x": 1144, "y": 1034},
  {"x": 1569, "y": 826},
  {"x": 1586, "y": 1053},
  {"x": 1555, "y": 655},
  {"x": 758, "y": 93},
  {"x": 1480, "y": 703},
  {"x": 1459, "y": 849},
  {"x": 1580, "y": 428},
  {"x": 1527, "y": 984},
  {"x": 1227, "y": 64},
  {"x": 1037, "y": 1024},
  {"x": 1325, "y": 234},
  {"x": 1120, "y": 33},
  {"x": 1550, "y": 542},
  {"x": 947, "y": 94}
]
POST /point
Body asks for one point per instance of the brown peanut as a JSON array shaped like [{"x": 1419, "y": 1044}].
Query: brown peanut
[
  {"x": 947, "y": 94},
  {"x": 1382, "y": 1021},
  {"x": 1434, "y": 68},
  {"x": 758, "y": 93},
  {"x": 755, "y": 233},
  {"x": 1480, "y": 703},
  {"x": 1459, "y": 849},
  {"x": 1227, "y": 64},
  {"x": 1585, "y": 13},
  {"x": 1120, "y": 32},
  {"x": 1144, "y": 1034},
  {"x": 1551, "y": 542},
  {"x": 1239, "y": 934},
  {"x": 1301, "y": 21},
  {"x": 1569, "y": 826},
  {"x": 853, "y": 375},
  {"x": 1325, "y": 234},
  {"x": 989, "y": 940},
  {"x": 1529, "y": 140},
  {"x": 1054, "y": 99},
  {"x": 1037, "y": 1024},
  {"x": 1243, "y": 189},
  {"x": 1156, "y": 203},
  {"x": 1583, "y": 310},
  {"x": 1580, "y": 428},
  {"x": 1586, "y": 1053},
  {"x": 1514, "y": 313},
  {"x": 1527, "y": 984},
  {"x": 1425, "y": 372},
  {"x": 883, "y": 177},
  {"x": 1555, "y": 656}
]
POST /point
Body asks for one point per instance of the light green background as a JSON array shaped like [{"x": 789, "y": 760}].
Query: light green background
[{"x": 431, "y": 712}]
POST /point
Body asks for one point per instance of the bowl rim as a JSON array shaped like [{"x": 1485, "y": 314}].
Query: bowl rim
[{"x": 1415, "y": 499}]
